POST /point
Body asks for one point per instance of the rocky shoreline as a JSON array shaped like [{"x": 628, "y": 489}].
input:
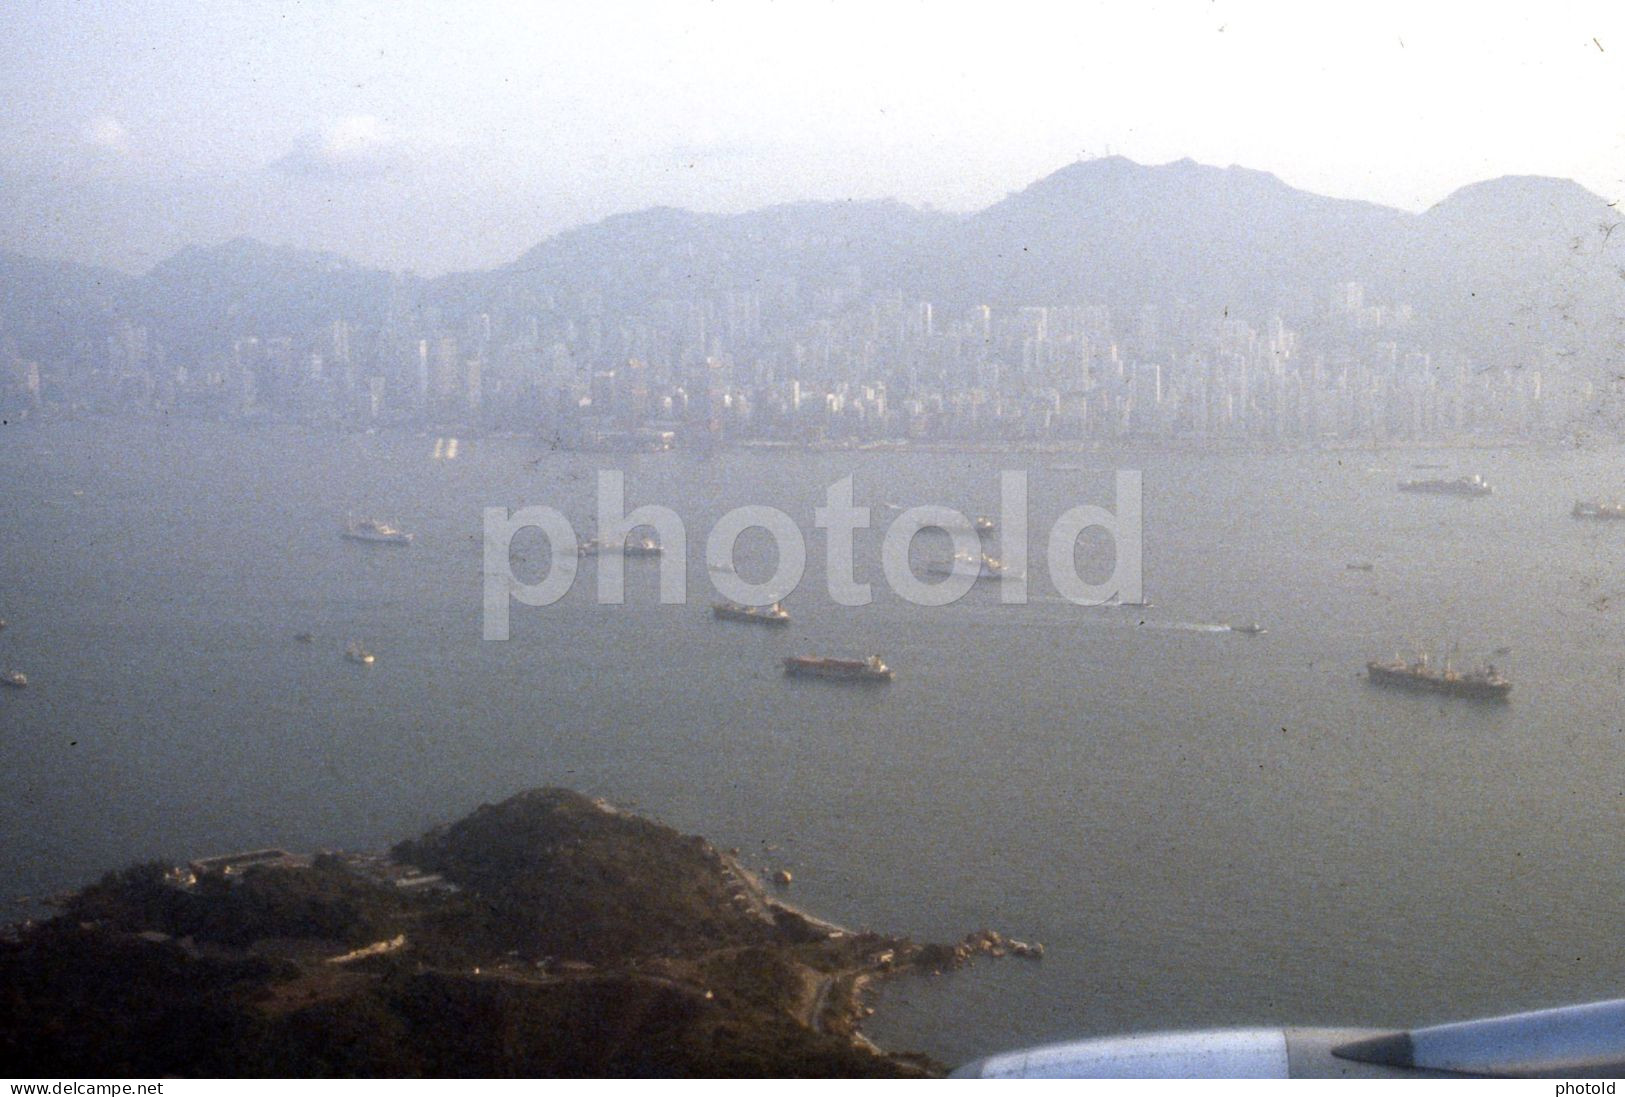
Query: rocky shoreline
[{"x": 548, "y": 935}]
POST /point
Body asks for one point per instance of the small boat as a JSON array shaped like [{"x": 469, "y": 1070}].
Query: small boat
[
  {"x": 1462, "y": 485},
  {"x": 1117, "y": 603},
  {"x": 1361, "y": 565},
  {"x": 984, "y": 524},
  {"x": 981, "y": 566},
  {"x": 1249, "y": 628},
  {"x": 1604, "y": 512},
  {"x": 871, "y": 669},
  {"x": 303, "y": 637},
  {"x": 775, "y": 614},
  {"x": 641, "y": 546},
  {"x": 375, "y": 532},
  {"x": 16, "y": 679},
  {"x": 358, "y": 654}
]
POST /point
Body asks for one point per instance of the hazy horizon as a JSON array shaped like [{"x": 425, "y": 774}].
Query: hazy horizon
[
  {"x": 416, "y": 137},
  {"x": 521, "y": 246}
]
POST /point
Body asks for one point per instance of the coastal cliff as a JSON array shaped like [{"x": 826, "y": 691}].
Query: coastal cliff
[{"x": 548, "y": 935}]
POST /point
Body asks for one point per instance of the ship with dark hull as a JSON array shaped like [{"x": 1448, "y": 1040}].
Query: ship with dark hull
[
  {"x": 775, "y": 614},
  {"x": 632, "y": 546},
  {"x": 1461, "y": 485},
  {"x": 375, "y": 532},
  {"x": 1485, "y": 683},
  {"x": 976, "y": 566},
  {"x": 1601, "y": 512},
  {"x": 872, "y": 669}
]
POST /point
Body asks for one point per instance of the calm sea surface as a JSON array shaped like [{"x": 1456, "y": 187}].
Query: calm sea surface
[{"x": 1204, "y": 828}]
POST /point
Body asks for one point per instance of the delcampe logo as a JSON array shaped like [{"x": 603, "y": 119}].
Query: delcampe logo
[{"x": 840, "y": 518}]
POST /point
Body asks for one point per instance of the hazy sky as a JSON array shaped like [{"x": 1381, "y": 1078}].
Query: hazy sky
[{"x": 456, "y": 134}]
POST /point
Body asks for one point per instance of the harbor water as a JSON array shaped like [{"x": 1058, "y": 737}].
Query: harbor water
[{"x": 1203, "y": 827}]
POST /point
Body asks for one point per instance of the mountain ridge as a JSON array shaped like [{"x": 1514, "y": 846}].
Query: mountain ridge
[{"x": 1173, "y": 237}]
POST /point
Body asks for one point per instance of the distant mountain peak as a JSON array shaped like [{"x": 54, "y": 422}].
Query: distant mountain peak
[
  {"x": 1120, "y": 173},
  {"x": 1540, "y": 204}
]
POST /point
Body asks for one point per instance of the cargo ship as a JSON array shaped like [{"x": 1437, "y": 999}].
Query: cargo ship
[
  {"x": 872, "y": 669},
  {"x": 1600, "y": 511},
  {"x": 1462, "y": 485},
  {"x": 640, "y": 546},
  {"x": 1485, "y": 683},
  {"x": 775, "y": 614},
  {"x": 376, "y": 532}
]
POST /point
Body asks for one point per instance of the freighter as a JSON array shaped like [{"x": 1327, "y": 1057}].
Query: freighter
[
  {"x": 775, "y": 614},
  {"x": 371, "y": 529},
  {"x": 1600, "y": 511},
  {"x": 871, "y": 669},
  {"x": 641, "y": 546},
  {"x": 1461, "y": 485},
  {"x": 1485, "y": 683}
]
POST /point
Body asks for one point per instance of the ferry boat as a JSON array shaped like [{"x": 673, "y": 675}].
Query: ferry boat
[
  {"x": 1599, "y": 511},
  {"x": 1485, "y": 682},
  {"x": 775, "y": 614},
  {"x": 872, "y": 669},
  {"x": 980, "y": 566},
  {"x": 1462, "y": 485},
  {"x": 641, "y": 546},
  {"x": 375, "y": 532},
  {"x": 358, "y": 654},
  {"x": 16, "y": 679}
]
